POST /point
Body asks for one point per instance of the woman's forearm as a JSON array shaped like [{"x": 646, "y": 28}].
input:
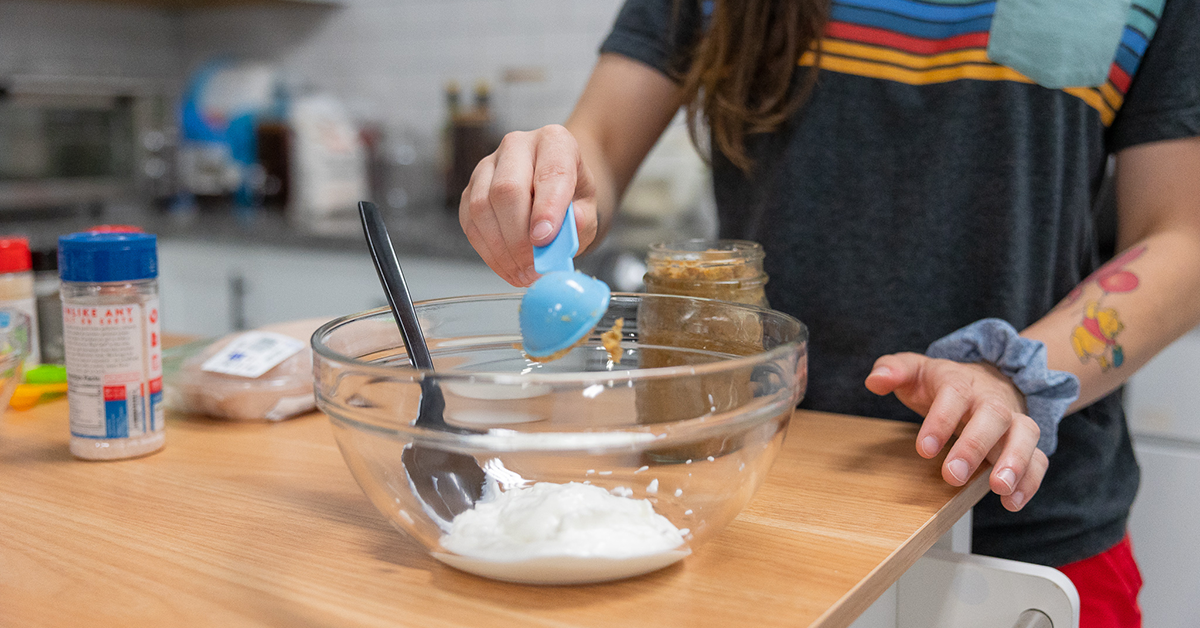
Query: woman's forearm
[
  {"x": 1124, "y": 314},
  {"x": 617, "y": 120},
  {"x": 1149, "y": 294}
]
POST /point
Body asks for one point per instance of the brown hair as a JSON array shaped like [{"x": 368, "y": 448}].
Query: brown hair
[{"x": 741, "y": 79}]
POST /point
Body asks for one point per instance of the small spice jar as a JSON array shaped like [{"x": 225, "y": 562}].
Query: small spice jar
[
  {"x": 726, "y": 270},
  {"x": 112, "y": 341}
]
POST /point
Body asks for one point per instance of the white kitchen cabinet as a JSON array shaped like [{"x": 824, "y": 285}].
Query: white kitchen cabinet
[
  {"x": 1163, "y": 530},
  {"x": 949, "y": 587},
  {"x": 1162, "y": 402},
  {"x": 211, "y": 289},
  {"x": 1163, "y": 398}
]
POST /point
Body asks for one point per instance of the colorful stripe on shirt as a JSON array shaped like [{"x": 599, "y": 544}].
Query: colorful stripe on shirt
[{"x": 937, "y": 41}]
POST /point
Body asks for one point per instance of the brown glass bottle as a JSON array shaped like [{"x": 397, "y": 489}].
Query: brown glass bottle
[{"x": 472, "y": 138}]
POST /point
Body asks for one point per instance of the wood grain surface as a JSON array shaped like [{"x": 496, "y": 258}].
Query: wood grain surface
[{"x": 256, "y": 524}]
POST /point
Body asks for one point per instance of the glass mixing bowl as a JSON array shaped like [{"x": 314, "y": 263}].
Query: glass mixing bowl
[{"x": 686, "y": 425}]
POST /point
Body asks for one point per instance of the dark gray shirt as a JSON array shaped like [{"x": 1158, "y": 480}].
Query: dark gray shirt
[{"x": 924, "y": 186}]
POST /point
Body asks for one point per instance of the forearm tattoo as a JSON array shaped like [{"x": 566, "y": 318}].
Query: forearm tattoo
[{"x": 1095, "y": 337}]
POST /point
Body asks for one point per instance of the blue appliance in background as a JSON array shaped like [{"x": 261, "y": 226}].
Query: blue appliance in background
[{"x": 220, "y": 111}]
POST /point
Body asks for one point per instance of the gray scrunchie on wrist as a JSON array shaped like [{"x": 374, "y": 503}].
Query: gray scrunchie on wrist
[{"x": 1048, "y": 393}]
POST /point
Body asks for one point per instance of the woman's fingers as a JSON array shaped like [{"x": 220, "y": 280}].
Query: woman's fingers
[
  {"x": 517, "y": 198},
  {"x": 479, "y": 223},
  {"x": 1029, "y": 483},
  {"x": 511, "y": 196},
  {"x": 950, "y": 407},
  {"x": 893, "y": 371},
  {"x": 556, "y": 169},
  {"x": 989, "y": 423},
  {"x": 944, "y": 408},
  {"x": 982, "y": 406}
]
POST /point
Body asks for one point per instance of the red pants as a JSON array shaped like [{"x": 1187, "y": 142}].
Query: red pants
[{"x": 1108, "y": 587}]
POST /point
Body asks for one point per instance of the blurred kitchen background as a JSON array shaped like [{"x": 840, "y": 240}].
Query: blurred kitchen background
[{"x": 242, "y": 132}]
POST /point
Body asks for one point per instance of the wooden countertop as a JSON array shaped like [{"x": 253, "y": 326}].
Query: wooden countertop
[{"x": 262, "y": 525}]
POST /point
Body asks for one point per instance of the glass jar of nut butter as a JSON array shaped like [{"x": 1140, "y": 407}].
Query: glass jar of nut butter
[
  {"x": 726, "y": 270},
  {"x": 722, "y": 270}
]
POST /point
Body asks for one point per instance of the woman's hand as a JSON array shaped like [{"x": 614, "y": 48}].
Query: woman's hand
[
  {"x": 518, "y": 196},
  {"x": 979, "y": 404}
]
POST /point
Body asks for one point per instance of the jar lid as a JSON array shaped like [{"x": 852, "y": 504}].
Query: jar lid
[
  {"x": 706, "y": 261},
  {"x": 14, "y": 255},
  {"x": 100, "y": 257},
  {"x": 708, "y": 251}
]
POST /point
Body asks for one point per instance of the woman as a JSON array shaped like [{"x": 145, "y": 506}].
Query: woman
[{"x": 913, "y": 168}]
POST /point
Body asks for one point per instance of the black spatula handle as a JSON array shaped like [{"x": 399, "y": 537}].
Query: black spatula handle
[{"x": 393, "y": 281}]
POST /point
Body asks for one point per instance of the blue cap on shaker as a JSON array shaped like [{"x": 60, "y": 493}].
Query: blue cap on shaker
[{"x": 103, "y": 257}]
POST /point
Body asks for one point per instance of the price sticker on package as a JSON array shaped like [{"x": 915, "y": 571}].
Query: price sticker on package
[{"x": 252, "y": 354}]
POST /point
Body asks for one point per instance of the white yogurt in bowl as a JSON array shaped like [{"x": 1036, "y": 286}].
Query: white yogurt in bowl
[{"x": 561, "y": 534}]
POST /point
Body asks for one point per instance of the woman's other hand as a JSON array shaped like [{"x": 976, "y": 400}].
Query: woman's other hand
[{"x": 979, "y": 404}]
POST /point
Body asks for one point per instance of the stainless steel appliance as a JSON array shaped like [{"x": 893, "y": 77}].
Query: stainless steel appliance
[{"x": 78, "y": 141}]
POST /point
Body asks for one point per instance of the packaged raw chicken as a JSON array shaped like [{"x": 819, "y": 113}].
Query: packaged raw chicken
[{"x": 260, "y": 375}]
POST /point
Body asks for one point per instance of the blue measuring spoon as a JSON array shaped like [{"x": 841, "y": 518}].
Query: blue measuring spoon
[{"x": 563, "y": 305}]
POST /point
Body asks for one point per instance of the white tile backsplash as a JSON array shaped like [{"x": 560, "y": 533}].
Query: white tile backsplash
[
  {"x": 89, "y": 39},
  {"x": 391, "y": 60}
]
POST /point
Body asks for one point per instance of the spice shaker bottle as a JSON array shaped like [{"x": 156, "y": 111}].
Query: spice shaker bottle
[
  {"x": 16, "y": 288},
  {"x": 112, "y": 341}
]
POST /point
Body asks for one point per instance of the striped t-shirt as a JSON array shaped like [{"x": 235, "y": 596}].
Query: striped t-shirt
[
  {"x": 937, "y": 41},
  {"x": 945, "y": 169}
]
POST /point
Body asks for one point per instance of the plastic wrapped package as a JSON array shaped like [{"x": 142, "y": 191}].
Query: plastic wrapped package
[{"x": 217, "y": 377}]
